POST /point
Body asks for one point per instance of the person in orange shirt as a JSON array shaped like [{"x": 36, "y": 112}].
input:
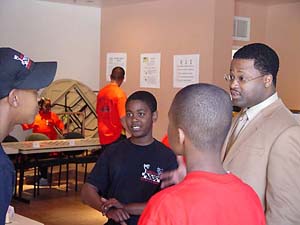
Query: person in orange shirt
[
  {"x": 48, "y": 123},
  {"x": 111, "y": 109}
]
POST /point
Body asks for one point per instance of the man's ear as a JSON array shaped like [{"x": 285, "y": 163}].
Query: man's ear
[
  {"x": 268, "y": 79},
  {"x": 154, "y": 116},
  {"x": 181, "y": 136},
  {"x": 13, "y": 98}
]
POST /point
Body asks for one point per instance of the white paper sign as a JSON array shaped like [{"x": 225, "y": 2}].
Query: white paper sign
[
  {"x": 113, "y": 60},
  {"x": 150, "y": 70},
  {"x": 185, "y": 70}
]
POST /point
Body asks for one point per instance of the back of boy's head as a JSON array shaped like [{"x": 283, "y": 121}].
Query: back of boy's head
[
  {"x": 203, "y": 112},
  {"x": 145, "y": 97}
]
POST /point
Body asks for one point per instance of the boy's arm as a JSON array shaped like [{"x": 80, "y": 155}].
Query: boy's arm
[
  {"x": 135, "y": 208},
  {"x": 169, "y": 178},
  {"x": 131, "y": 208},
  {"x": 90, "y": 196},
  {"x": 26, "y": 126}
]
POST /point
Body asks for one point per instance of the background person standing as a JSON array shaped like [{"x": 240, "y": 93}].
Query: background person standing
[{"x": 111, "y": 109}]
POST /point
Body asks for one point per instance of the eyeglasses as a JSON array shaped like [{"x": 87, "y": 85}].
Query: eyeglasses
[{"x": 240, "y": 79}]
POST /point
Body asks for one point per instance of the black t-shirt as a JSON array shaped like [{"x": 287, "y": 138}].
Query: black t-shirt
[{"x": 130, "y": 173}]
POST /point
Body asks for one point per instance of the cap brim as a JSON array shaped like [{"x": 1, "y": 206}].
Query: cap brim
[{"x": 41, "y": 76}]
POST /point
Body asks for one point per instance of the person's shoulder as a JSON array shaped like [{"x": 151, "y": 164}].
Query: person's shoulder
[
  {"x": 117, "y": 146},
  {"x": 244, "y": 187},
  {"x": 166, "y": 195},
  {"x": 163, "y": 148}
]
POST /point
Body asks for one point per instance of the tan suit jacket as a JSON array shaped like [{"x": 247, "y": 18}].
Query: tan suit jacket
[{"x": 266, "y": 155}]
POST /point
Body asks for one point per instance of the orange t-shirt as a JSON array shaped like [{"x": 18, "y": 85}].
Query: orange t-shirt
[
  {"x": 44, "y": 123},
  {"x": 110, "y": 109}
]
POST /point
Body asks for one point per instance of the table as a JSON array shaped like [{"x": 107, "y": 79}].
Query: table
[
  {"x": 32, "y": 147},
  {"x": 22, "y": 220},
  {"x": 63, "y": 145}
]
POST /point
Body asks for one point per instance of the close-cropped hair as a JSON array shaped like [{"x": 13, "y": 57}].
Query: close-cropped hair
[
  {"x": 204, "y": 113},
  {"x": 145, "y": 97},
  {"x": 118, "y": 73},
  {"x": 265, "y": 58}
]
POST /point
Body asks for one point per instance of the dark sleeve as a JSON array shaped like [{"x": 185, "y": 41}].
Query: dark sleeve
[
  {"x": 173, "y": 161},
  {"x": 169, "y": 157},
  {"x": 6, "y": 185},
  {"x": 99, "y": 176}
]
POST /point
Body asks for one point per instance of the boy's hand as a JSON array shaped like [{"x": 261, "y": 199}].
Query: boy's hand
[
  {"x": 175, "y": 176},
  {"x": 118, "y": 215},
  {"x": 111, "y": 203}
]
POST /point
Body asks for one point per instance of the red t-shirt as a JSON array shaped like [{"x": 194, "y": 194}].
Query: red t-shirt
[
  {"x": 110, "y": 109},
  {"x": 207, "y": 199},
  {"x": 44, "y": 123}
]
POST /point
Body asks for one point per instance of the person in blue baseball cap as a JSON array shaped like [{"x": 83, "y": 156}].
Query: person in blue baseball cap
[{"x": 20, "y": 79}]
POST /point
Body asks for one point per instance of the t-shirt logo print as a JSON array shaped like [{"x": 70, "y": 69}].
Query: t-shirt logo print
[
  {"x": 151, "y": 176},
  {"x": 25, "y": 61}
]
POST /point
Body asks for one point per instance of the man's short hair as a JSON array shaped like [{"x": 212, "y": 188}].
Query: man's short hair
[
  {"x": 145, "y": 97},
  {"x": 265, "y": 58},
  {"x": 204, "y": 113},
  {"x": 118, "y": 73}
]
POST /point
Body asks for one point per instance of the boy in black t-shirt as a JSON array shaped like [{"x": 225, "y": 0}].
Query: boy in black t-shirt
[{"x": 127, "y": 174}]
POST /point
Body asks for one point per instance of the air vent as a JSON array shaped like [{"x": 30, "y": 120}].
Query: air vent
[{"x": 241, "y": 28}]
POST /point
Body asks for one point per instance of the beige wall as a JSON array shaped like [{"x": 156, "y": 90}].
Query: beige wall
[
  {"x": 224, "y": 12},
  {"x": 258, "y": 16},
  {"x": 169, "y": 27},
  {"x": 283, "y": 33},
  {"x": 199, "y": 27},
  {"x": 278, "y": 26}
]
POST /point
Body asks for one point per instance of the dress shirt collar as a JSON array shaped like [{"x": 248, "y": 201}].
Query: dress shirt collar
[{"x": 254, "y": 110}]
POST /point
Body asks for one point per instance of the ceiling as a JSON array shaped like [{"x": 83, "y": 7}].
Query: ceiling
[
  {"x": 108, "y": 3},
  {"x": 99, "y": 3}
]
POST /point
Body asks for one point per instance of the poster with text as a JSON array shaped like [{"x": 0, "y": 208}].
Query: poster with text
[
  {"x": 185, "y": 70},
  {"x": 150, "y": 70},
  {"x": 113, "y": 60}
]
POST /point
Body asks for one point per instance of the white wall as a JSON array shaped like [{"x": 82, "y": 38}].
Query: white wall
[{"x": 46, "y": 31}]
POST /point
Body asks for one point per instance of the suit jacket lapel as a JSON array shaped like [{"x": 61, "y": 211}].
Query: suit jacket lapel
[{"x": 250, "y": 129}]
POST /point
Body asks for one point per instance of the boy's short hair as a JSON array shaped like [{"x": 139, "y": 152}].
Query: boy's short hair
[
  {"x": 203, "y": 112},
  {"x": 145, "y": 97},
  {"x": 17, "y": 71}
]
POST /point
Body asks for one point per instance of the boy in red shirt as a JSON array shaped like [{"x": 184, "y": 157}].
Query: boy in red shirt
[{"x": 199, "y": 119}]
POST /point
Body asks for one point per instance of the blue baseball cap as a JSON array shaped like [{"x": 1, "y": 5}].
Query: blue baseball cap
[{"x": 17, "y": 71}]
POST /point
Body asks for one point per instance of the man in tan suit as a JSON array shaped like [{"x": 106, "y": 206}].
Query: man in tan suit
[{"x": 263, "y": 144}]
